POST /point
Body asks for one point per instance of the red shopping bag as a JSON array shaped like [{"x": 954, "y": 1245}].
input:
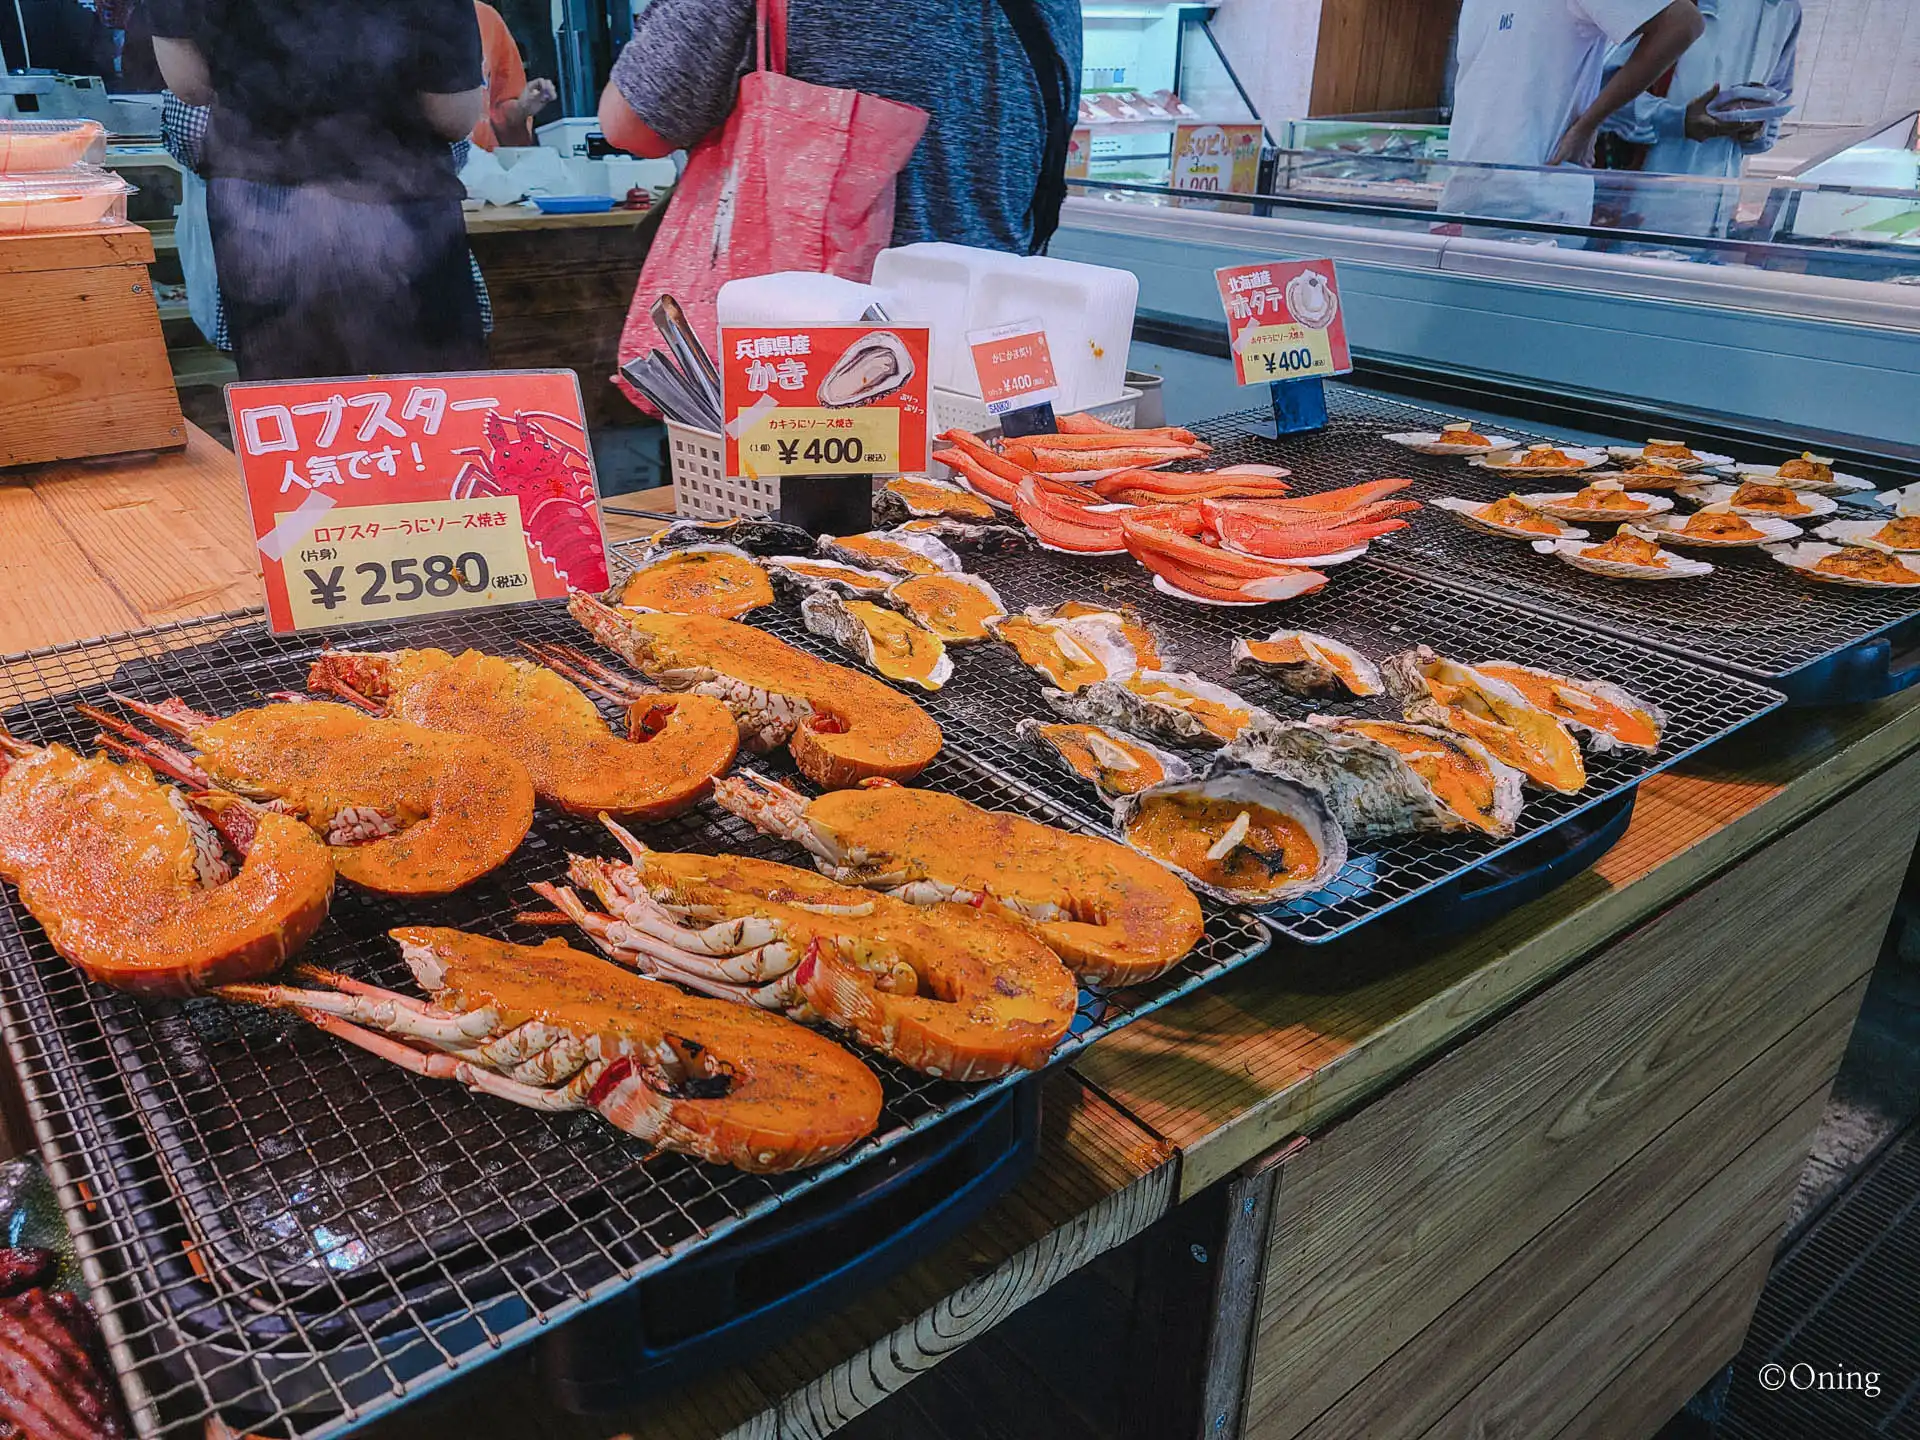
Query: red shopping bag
[{"x": 799, "y": 178}]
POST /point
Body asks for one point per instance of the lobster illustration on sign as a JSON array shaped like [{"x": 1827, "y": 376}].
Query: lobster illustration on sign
[{"x": 552, "y": 478}]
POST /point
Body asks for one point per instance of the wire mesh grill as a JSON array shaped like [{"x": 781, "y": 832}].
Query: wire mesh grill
[
  {"x": 1750, "y": 615},
  {"x": 295, "y": 1234},
  {"x": 1377, "y": 612}
]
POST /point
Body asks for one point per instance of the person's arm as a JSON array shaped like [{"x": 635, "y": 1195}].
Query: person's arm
[
  {"x": 447, "y": 81},
  {"x": 1782, "y": 80},
  {"x": 184, "y": 69},
  {"x": 627, "y": 131},
  {"x": 1663, "y": 40},
  {"x": 513, "y": 119},
  {"x": 677, "y": 77}
]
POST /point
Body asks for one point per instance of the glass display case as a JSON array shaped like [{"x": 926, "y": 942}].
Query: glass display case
[{"x": 1867, "y": 191}]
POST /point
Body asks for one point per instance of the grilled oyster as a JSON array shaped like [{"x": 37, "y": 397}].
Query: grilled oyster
[
  {"x": 1237, "y": 835},
  {"x": 1854, "y": 565},
  {"x": 886, "y": 640},
  {"x": 1173, "y": 705},
  {"x": 870, "y": 369},
  {"x": 1609, "y": 717},
  {"x": 1437, "y": 691},
  {"x": 1630, "y": 555},
  {"x": 798, "y": 576},
  {"x": 900, "y": 551},
  {"x": 1509, "y": 515},
  {"x": 755, "y": 536},
  {"x": 699, "y": 580},
  {"x": 1071, "y": 652},
  {"x": 1303, "y": 663},
  {"x": 970, "y": 535},
  {"x": 915, "y": 497},
  {"x": 1469, "y": 789},
  {"x": 1113, "y": 763},
  {"x": 1150, "y": 647},
  {"x": 957, "y": 608}
]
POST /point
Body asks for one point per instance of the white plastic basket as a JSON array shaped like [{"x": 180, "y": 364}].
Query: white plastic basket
[
  {"x": 953, "y": 410},
  {"x": 702, "y": 489}
]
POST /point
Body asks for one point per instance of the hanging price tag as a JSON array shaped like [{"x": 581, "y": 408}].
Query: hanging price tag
[
  {"x": 1284, "y": 321},
  {"x": 824, "y": 399},
  {"x": 1014, "y": 365},
  {"x": 410, "y": 495}
]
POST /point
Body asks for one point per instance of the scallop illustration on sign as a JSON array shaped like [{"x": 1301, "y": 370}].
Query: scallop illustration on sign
[
  {"x": 870, "y": 369},
  {"x": 1311, "y": 301}
]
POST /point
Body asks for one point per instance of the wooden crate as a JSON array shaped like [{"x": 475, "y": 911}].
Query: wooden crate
[{"x": 83, "y": 367}]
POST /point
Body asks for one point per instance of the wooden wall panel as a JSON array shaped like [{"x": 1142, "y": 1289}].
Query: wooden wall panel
[{"x": 1381, "y": 55}]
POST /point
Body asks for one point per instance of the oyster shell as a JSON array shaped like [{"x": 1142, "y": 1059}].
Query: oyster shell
[
  {"x": 902, "y": 551},
  {"x": 1874, "y": 569},
  {"x": 800, "y": 575},
  {"x": 1475, "y": 513},
  {"x": 755, "y": 536},
  {"x": 886, "y": 640},
  {"x": 1467, "y": 787},
  {"x": 1804, "y": 504},
  {"x": 1607, "y": 716},
  {"x": 958, "y": 608},
  {"x": 1150, "y": 647},
  {"x": 1113, "y": 763},
  {"x": 915, "y": 497},
  {"x": 699, "y": 580},
  {"x": 1581, "y": 555},
  {"x": 1172, "y": 705},
  {"x": 1237, "y": 835},
  {"x": 1303, "y": 663},
  {"x": 1433, "y": 690},
  {"x": 870, "y": 369},
  {"x": 969, "y": 535},
  {"x": 1073, "y": 652}
]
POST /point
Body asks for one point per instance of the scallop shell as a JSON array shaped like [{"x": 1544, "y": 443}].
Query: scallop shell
[
  {"x": 1429, "y": 442},
  {"x": 1115, "y": 702},
  {"x": 916, "y": 497},
  {"x": 1640, "y": 481},
  {"x": 915, "y": 598},
  {"x": 1861, "y": 532},
  {"x": 1598, "y": 741},
  {"x": 1701, "y": 459},
  {"x": 1560, "y": 505},
  {"x": 1804, "y": 556},
  {"x": 1233, "y": 784},
  {"x": 874, "y": 550},
  {"x": 1722, "y": 494},
  {"x": 849, "y": 580},
  {"x": 1371, "y": 787},
  {"x": 1672, "y": 530},
  {"x": 1515, "y": 730},
  {"x": 852, "y": 625},
  {"x": 1573, "y": 552},
  {"x": 1036, "y": 735},
  {"x": 1314, "y": 673},
  {"x": 1508, "y": 463},
  {"x": 1840, "y": 484},
  {"x": 1464, "y": 511}
]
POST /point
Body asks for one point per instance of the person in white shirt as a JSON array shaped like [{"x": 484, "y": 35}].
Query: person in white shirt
[
  {"x": 1528, "y": 92},
  {"x": 1746, "y": 42}
]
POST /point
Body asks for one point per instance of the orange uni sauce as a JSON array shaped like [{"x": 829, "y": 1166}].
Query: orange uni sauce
[{"x": 1181, "y": 829}]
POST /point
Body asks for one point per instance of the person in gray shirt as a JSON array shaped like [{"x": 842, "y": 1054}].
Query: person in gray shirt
[{"x": 979, "y": 169}]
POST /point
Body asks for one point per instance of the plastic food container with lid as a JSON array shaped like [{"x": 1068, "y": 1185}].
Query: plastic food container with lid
[
  {"x": 73, "y": 200},
  {"x": 31, "y": 147}
]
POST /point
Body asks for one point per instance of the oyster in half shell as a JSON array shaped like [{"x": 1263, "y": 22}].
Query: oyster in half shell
[
  {"x": 901, "y": 551},
  {"x": 1149, "y": 645},
  {"x": 756, "y": 536},
  {"x": 870, "y": 369},
  {"x": 1170, "y": 704},
  {"x": 1113, "y": 763},
  {"x": 1470, "y": 790},
  {"x": 1071, "y": 653},
  {"x": 800, "y": 575},
  {"x": 885, "y": 639},
  {"x": 699, "y": 580},
  {"x": 1237, "y": 835},
  {"x": 1609, "y": 717},
  {"x": 970, "y": 535},
  {"x": 957, "y": 608},
  {"x": 1304, "y": 663},
  {"x": 915, "y": 497},
  {"x": 1436, "y": 691}
]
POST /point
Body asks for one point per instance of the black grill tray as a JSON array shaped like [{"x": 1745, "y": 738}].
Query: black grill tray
[
  {"x": 1751, "y": 615},
  {"x": 239, "y": 1176}
]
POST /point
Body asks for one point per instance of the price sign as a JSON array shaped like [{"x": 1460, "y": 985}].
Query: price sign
[
  {"x": 1014, "y": 365},
  {"x": 1284, "y": 321},
  {"x": 381, "y": 498},
  {"x": 824, "y": 399},
  {"x": 1217, "y": 157}
]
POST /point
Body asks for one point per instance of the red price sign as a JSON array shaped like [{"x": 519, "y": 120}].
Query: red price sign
[
  {"x": 1284, "y": 320},
  {"x": 1014, "y": 365},
  {"x": 408, "y": 495},
  {"x": 824, "y": 399}
]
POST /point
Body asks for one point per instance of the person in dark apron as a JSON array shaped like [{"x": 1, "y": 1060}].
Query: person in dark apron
[{"x": 332, "y": 196}]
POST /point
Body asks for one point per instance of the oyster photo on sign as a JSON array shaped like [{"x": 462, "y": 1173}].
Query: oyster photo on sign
[
  {"x": 870, "y": 369},
  {"x": 1237, "y": 835}
]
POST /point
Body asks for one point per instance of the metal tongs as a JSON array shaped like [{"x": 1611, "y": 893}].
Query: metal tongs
[{"x": 688, "y": 392}]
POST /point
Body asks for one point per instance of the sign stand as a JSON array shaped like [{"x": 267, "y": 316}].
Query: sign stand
[
  {"x": 1032, "y": 420},
  {"x": 1299, "y": 405},
  {"x": 827, "y": 504}
]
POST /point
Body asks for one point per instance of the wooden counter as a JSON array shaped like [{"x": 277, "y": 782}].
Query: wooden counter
[{"x": 1545, "y": 1165}]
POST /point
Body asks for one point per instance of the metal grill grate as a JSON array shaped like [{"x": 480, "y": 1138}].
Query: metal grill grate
[
  {"x": 1750, "y": 615},
  {"x": 294, "y": 1234},
  {"x": 1375, "y": 611}
]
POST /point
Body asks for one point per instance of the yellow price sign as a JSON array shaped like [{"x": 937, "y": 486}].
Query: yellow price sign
[
  {"x": 1285, "y": 352},
  {"x": 813, "y": 440},
  {"x": 382, "y": 562}
]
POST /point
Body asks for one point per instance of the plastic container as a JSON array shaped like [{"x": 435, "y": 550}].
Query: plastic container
[
  {"x": 569, "y": 136},
  {"x": 797, "y": 297},
  {"x": 954, "y": 411},
  {"x": 77, "y": 199},
  {"x": 34, "y": 147},
  {"x": 573, "y": 204}
]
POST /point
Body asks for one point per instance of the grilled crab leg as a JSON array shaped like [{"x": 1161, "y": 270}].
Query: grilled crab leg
[
  {"x": 944, "y": 990},
  {"x": 554, "y": 1029}
]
